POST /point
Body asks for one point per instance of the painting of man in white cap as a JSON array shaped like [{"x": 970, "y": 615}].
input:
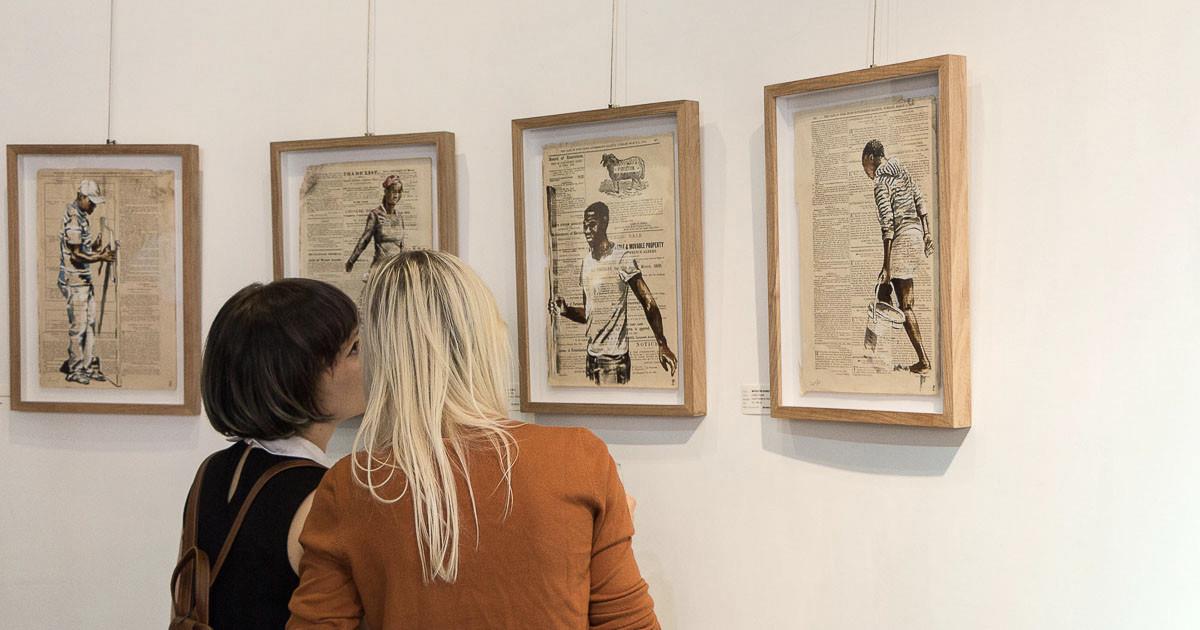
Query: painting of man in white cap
[{"x": 78, "y": 251}]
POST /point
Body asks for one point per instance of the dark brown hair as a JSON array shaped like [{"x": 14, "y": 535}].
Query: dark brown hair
[
  {"x": 874, "y": 149},
  {"x": 265, "y": 353}
]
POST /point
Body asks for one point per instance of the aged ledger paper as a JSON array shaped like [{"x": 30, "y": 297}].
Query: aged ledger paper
[
  {"x": 132, "y": 302},
  {"x": 635, "y": 178},
  {"x": 336, "y": 201},
  {"x": 841, "y": 247}
]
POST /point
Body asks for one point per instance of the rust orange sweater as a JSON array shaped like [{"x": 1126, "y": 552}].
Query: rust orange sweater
[{"x": 560, "y": 559}]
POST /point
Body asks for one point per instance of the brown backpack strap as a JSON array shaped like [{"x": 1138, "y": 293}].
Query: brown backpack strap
[
  {"x": 191, "y": 599},
  {"x": 190, "y": 516},
  {"x": 192, "y": 594},
  {"x": 241, "y": 516}
]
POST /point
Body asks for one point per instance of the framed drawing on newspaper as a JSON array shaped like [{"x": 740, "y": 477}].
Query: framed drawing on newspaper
[
  {"x": 867, "y": 245},
  {"x": 104, "y": 278},
  {"x": 610, "y": 261},
  {"x": 341, "y": 204}
]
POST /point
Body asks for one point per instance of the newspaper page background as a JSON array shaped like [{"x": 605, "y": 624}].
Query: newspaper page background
[
  {"x": 642, "y": 219},
  {"x": 335, "y": 200},
  {"x": 135, "y": 317},
  {"x": 842, "y": 247}
]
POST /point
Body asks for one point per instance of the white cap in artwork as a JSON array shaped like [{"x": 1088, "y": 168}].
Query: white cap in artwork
[{"x": 91, "y": 190}]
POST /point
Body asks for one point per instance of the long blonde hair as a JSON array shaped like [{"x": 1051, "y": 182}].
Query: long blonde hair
[{"x": 436, "y": 359}]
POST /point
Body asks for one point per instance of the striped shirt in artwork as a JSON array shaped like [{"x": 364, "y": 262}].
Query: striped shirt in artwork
[{"x": 897, "y": 198}]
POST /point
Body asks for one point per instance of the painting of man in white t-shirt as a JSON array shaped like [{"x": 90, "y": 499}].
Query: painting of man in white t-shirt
[{"x": 608, "y": 273}]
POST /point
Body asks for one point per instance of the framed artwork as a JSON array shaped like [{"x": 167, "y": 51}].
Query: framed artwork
[
  {"x": 867, "y": 245},
  {"x": 341, "y": 204},
  {"x": 610, "y": 261},
  {"x": 104, "y": 278}
]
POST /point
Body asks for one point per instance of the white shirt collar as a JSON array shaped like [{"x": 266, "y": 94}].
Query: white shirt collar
[{"x": 294, "y": 446}]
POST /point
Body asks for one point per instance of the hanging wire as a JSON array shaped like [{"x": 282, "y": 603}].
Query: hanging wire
[
  {"x": 874, "y": 26},
  {"x": 369, "y": 101},
  {"x": 612, "y": 57},
  {"x": 108, "y": 139}
]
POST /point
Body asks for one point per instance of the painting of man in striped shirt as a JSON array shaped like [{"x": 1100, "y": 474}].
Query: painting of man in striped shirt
[{"x": 907, "y": 242}]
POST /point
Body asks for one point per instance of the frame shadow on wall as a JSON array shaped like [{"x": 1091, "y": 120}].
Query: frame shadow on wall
[
  {"x": 629, "y": 430},
  {"x": 895, "y": 450},
  {"x": 83, "y": 433}
]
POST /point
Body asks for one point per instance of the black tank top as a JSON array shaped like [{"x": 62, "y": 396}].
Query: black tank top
[{"x": 256, "y": 582}]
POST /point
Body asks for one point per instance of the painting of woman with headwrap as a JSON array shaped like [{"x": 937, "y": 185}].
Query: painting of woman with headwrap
[{"x": 385, "y": 226}]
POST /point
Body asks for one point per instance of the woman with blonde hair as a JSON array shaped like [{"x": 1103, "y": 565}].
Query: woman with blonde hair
[{"x": 451, "y": 515}]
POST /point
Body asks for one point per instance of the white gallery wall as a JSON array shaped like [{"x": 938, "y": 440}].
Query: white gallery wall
[{"x": 1073, "y": 502}]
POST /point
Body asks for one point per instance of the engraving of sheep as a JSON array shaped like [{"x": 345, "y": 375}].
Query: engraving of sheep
[{"x": 630, "y": 168}]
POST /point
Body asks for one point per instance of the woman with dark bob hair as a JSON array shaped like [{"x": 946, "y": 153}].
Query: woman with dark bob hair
[{"x": 281, "y": 371}]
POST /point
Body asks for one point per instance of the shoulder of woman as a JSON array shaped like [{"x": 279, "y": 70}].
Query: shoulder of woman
[
  {"x": 343, "y": 469},
  {"x": 339, "y": 473},
  {"x": 564, "y": 442}
]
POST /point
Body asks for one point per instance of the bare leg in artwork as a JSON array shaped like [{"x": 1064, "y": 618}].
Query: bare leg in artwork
[{"x": 904, "y": 290}]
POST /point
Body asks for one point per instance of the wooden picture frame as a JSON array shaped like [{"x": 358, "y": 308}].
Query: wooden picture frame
[
  {"x": 136, "y": 173},
  {"x": 289, "y": 159},
  {"x": 687, "y": 397},
  {"x": 943, "y": 81}
]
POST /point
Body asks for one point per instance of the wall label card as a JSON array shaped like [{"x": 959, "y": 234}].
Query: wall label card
[{"x": 756, "y": 399}]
